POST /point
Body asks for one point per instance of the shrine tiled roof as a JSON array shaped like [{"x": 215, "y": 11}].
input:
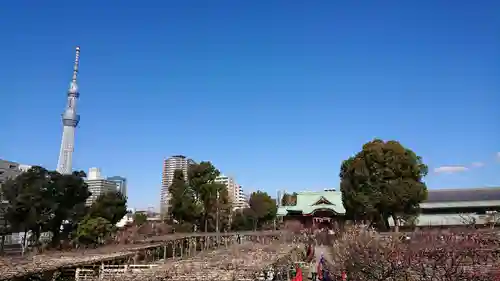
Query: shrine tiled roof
[{"x": 309, "y": 202}]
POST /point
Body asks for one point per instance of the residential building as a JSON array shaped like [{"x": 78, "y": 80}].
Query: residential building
[
  {"x": 98, "y": 185},
  {"x": 235, "y": 192},
  {"x": 232, "y": 188},
  {"x": 242, "y": 199},
  {"x": 121, "y": 184},
  {"x": 176, "y": 162}
]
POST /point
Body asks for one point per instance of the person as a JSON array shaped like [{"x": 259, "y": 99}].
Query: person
[
  {"x": 326, "y": 276},
  {"x": 319, "y": 268},
  {"x": 298, "y": 274},
  {"x": 314, "y": 274}
]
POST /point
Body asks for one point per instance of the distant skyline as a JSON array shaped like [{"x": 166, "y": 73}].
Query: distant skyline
[{"x": 275, "y": 93}]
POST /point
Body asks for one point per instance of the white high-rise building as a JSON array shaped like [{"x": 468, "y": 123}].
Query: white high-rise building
[
  {"x": 242, "y": 202},
  {"x": 235, "y": 192},
  {"x": 176, "y": 162},
  {"x": 232, "y": 187}
]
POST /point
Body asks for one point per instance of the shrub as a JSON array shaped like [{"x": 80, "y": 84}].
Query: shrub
[{"x": 368, "y": 256}]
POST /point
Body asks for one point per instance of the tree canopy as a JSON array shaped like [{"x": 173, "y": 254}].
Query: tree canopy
[
  {"x": 40, "y": 200},
  {"x": 111, "y": 206},
  {"x": 383, "y": 180},
  {"x": 140, "y": 219},
  {"x": 263, "y": 208},
  {"x": 94, "y": 230},
  {"x": 204, "y": 204},
  {"x": 289, "y": 199},
  {"x": 183, "y": 206},
  {"x": 212, "y": 196}
]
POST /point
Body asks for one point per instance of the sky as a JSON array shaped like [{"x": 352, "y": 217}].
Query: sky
[{"x": 275, "y": 93}]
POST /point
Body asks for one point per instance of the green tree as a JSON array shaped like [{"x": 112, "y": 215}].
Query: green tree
[
  {"x": 111, "y": 206},
  {"x": 243, "y": 220},
  {"x": 183, "y": 206},
  {"x": 220, "y": 209},
  {"x": 289, "y": 199},
  {"x": 94, "y": 230},
  {"x": 68, "y": 193},
  {"x": 30, "y": 205},
  {"x": 211, "y": 196},
  {"x": 263, "y": 208},
  {"x": 383, "y": 180},
  {"x": 4, "y": 227},
  {"x": 140, "y": 219}
]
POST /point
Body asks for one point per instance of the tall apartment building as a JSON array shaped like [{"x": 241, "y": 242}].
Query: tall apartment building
[
  {"x": 121, "y": 184},
  {"x": 97, "y": 185},
  {"x": 232, "y": 187},
  {"x": 242, "y": 199},
  {"x": 235, "y": 192},
  {"x": 242, "y": 202},
  {"x": 176, "y": 162}
]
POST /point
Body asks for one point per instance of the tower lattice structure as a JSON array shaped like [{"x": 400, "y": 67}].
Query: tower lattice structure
[{"x": 70, "y": 120}]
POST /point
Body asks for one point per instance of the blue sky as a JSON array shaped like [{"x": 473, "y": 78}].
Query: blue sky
[{"x": 275, "y": 93}]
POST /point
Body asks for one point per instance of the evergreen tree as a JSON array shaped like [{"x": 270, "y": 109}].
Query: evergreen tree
[{"x": 182, "y": 204}]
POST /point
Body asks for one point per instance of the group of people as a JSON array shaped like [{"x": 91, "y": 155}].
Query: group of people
[{"x": 319, "y": 270}]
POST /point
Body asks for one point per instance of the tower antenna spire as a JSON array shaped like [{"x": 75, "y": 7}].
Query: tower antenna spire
[
  {"x": 73, "y": 87},
  {"x": 76, "y": 65}
]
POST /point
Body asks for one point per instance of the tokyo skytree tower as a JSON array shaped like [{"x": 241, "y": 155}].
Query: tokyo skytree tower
[{"x": 70, "y": 120}]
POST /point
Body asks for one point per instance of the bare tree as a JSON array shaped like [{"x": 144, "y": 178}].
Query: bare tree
[{"x": 366, "y": 255}]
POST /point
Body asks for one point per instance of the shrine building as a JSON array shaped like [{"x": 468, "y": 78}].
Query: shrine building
[
  {"x": 319, "y": 209},
  {"x": 443, "y": 208}
]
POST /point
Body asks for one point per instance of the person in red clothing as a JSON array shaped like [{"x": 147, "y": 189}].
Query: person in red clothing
[{"x": 298, "y": 274}]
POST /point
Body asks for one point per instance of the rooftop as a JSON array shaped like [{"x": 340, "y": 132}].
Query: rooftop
[{"x": 463, "y": 194}]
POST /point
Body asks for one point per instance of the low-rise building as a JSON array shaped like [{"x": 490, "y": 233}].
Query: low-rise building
[{"x": 462, "y": 206}]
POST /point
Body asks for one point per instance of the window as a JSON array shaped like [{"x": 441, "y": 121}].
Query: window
[{"x": 12, "y": 166}]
